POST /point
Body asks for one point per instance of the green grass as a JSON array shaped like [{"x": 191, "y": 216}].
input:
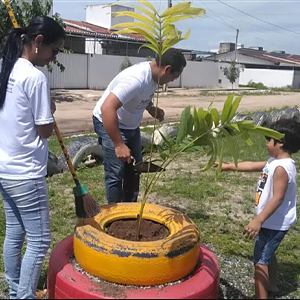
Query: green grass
[{"x": 221, "y": 209}]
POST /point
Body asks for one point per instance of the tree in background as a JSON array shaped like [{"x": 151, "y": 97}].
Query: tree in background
[
  {"x": 126, "y": 63},
  {"x": 232, "y": 73},
  {"x": 24, "y": 13}
]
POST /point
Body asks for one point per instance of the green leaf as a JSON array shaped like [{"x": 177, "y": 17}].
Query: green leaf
[
  {"x": 146, "y": 12},
  {"x": 168, "y": 30},
  {"x": 164, "y": 156},
  {"x": 219, "y": 169},
  {"x": 234, "y": 126},
  {"x": 136, "y": 16},
  {"x": 184, "y": 124},
  {"x": 152, "y": 47},
  {"x": 195, "y": 11},
  {"x": 235, "y": 106},
  {"x": 214, "y": 153},
  {"x": 209, "y": 120},
  {"x": 165, "y": 139},
  {"x": 268, "y": 132},
  {"x": 132, "y": 25},
  {"x": 176, "y": 9},
  {"x": 172, "y": 20},
  {"x": 169, "y": 45},
  {"x": 215, "y": 116},
  {"x": 142, "y": 32},
  {"x": 226, "y": 109},
  {"x": 196, "y": 131},
  {"x": 246, "y": 137},
  {"x": 201, "y": 119},
  {"x": 246, "y": 125},
  {"x": 232, "y": 147},
  {"x": 149, "y": 5}
]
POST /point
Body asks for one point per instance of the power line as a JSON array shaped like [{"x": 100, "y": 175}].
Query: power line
[
  {"x": 223, "y": 21},
  {"x": 247, "y": 14}
]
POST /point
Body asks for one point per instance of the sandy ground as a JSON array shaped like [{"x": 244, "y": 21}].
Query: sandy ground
[{"x": 75, "y": 107}]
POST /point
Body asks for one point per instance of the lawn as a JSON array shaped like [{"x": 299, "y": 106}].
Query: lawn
[{"x": 219, "y": 208}]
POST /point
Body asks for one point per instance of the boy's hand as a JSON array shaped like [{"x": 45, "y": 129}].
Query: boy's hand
[
  {"x": 253, "y": 228},
  {"x": 225, "y": 167}
]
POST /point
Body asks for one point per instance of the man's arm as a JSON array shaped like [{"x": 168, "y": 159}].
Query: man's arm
[
  {"x": 111, "y": 125},
  {"x": 280, "y": 185},
  {"x": 246, "y": 166}
]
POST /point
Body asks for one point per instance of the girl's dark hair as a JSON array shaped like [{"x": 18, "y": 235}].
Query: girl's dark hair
[{"x": 18, "y": 38}]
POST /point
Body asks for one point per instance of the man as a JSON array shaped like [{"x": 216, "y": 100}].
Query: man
[{"x": 117, "y": 117}]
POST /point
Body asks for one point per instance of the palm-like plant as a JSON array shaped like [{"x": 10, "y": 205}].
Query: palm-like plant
[{"x": 201, "y": 127}]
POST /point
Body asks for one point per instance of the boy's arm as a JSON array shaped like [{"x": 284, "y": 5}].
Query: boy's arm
[
  {"x": 280, "y": 185},
  {"x": 246, "y": 166}
]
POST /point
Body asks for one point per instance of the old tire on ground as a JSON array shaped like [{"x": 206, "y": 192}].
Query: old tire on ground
[
  {"x": 262, "y": 119},
  {"x": 53, "y": 165},
  {"x": 125, "y": 262},
  {"x": 65, "y": 282},
  {"x": 240, "y": 118},
  {"x": 80, "y": 148}
]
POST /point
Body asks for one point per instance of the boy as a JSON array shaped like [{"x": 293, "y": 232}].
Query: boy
[{"x": 275, "y": 203}]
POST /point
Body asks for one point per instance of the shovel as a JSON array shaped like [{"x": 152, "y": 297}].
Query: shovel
[{"x": 145, "y": 167}]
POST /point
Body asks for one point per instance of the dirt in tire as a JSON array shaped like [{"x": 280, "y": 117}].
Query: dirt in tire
[{"x": 127, "y": 230}]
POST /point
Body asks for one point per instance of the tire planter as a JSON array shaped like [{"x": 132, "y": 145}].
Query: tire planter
[
  {"x": 80, "y": 148},
  {"x": 138, "y": 263},
  {"x": 65, "y": 282}
]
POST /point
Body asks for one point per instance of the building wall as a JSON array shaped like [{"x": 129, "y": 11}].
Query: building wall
[
  {"x": 75, "y": 74},
  {"x": 270, "y": 78},
  {"x": 205, "y": 74},
  {"x": 296, "y": 81},
  {"x": 96, "y": 71},
  {"x": 103, "y": 16}
]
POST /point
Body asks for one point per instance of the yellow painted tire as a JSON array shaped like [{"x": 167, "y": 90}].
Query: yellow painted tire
[{"x": 138, "y": 263}]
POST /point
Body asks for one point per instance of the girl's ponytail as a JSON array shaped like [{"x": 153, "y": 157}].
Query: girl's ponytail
[{"x": 10, "y": 52}]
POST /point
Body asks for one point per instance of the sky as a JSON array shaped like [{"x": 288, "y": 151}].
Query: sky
[{"x": 221, "y": 21}]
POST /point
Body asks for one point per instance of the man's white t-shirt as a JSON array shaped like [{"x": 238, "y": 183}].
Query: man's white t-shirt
[
  {"x": 23, "y": 152},
  {"x": 135, "y": 88},
  {"x": 286, "y": 215}
]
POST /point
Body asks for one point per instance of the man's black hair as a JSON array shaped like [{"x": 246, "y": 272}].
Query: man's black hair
[{"x": 173, "y": 58}]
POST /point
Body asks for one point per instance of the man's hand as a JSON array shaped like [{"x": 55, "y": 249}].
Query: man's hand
[
  {"x": 53, "y": 107},
  {"x": 253, "y": 228},
  {"x": 123, "y": 153},
  {"x": 160, "y": 114}
]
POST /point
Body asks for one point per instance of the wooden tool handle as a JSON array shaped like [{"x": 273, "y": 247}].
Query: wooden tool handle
[
  {"x": 11, "y": 14},
  {"x": 66, "y": 154}
]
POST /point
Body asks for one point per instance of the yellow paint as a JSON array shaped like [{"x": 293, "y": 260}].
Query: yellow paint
[{"x": 116, "y": 260}]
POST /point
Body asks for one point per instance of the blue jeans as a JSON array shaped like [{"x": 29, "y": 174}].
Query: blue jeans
[
  {"x": 121, "y": 181},
  {"x": 26, "y": 208},
  {"x": 266, "y": 244}
]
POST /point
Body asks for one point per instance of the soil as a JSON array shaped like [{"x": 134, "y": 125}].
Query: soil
[
  {"x": 127, "y": 230},
  {"x": 75, "y": 107}
]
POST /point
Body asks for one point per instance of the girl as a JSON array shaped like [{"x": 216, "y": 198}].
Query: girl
[{"x": 26, "y": 122}]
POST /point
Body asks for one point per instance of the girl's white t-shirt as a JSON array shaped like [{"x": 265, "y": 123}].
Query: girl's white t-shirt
[
  {"x": 23, "y": 152},
  {"x": 286, "y": 214}
]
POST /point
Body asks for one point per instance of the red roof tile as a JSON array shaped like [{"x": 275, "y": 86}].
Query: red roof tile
[{"x": 91, "y": 29}]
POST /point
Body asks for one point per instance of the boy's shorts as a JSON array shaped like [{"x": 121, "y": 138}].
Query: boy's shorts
[{"x": 266, "y": 244}]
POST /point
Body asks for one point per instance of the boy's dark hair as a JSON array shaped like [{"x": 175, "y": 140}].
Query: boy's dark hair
[
  {"x": 173, "y": 58},
  {"x": 18, "y": 38},
  {"x": 291, "y": 129}
]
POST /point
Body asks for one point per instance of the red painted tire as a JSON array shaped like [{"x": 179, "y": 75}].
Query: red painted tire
[{"x": 65, "y": 282}]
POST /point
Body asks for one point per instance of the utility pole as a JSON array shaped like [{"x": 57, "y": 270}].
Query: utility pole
[
  {"x": 169, "y": 3},
  {"x": 236, "y": 43}
]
